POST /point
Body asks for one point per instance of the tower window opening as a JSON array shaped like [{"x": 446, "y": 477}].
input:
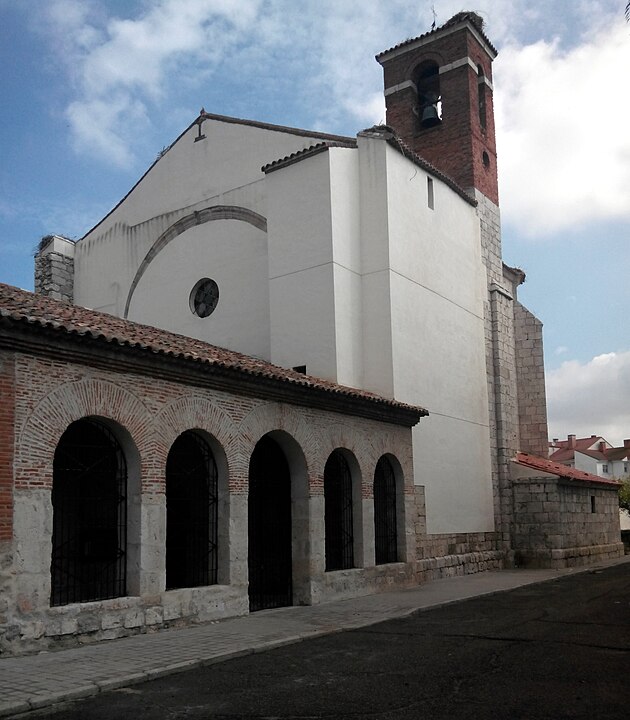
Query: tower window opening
[
  {"x": 481, "y": 96},
  {"x": 429, "y": 108},
  {"x": 430, "y": 195}
]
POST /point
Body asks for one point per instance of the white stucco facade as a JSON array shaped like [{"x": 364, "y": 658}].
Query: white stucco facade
[{"x": 327, "y": 254}]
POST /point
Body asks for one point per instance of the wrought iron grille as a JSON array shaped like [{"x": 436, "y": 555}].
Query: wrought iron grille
[
  {"x": 385, "y": 529},
  {"x": 89, "y": 499},
  {"x": 191, "y": 513},
  {"x": 339, "y": 542},
  {"x": 269, "y": 511}
]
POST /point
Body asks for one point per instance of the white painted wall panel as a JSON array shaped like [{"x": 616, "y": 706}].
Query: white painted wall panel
[{"x": 234, "y": 254}]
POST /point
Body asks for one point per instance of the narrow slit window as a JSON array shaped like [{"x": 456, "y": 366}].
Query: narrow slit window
[
  {"x": 481, "y": 96},
  {"x": 592, "y": 503},
  {"x": 430, "y": 195}
]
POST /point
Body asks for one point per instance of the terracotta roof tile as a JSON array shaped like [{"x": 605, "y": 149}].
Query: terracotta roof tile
[
  {"x": 22, "y": 307},
  {"x": 563, "y": 471},
  {"x": 618, "y": 453},
  {"x": 306, "y": 152}
]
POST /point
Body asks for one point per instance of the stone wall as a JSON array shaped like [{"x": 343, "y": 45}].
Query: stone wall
[
  {"x": 446, "y": 555},
  {"x": 530, "y": 373},
  {"x": 54, "y": 268},
  {"x": 147, "y": 414},
  {"x": 501, "y": 367},
  {"x": 559, "y": 523}
]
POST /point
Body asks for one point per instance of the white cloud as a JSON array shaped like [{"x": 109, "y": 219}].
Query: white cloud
[
  {"x": 120, "y": 65},
  {"x": 591, "y": 398},
  {"x": 564, "y": 148},
  {"x": 562, "y": 130}
]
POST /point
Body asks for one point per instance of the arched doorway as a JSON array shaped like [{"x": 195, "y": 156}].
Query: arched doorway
[
  {"x": 338, "y": 515},
  {"x": 385, "y": 506},
  {"x": 191, "y": 513},
  {"x": 89, "y": 498},
  {"x": 269, "y": 527}
]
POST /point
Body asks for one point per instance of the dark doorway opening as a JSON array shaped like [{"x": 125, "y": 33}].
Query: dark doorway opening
[
  {"x": 89, "y": 498},
  {"x": 385, "y": 525},
  {"x": 191, "y": 513},
  {"x": 269, "y": 509},
  {"x": 338, "y": 521}
]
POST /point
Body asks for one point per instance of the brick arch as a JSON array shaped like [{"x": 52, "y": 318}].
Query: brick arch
[
  {"x": 414, "y": 62},
  {"x": 273, "y": 417},
  {"x": 199, "y": 217},
  {"x": 192, "y": 412},
  {"x": 387, "y": 443},
  {"x": 344, "y": 436},
  {"x": 64, "y": 405}
]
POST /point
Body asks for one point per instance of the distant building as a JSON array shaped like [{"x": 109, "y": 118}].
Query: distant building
[
  {"x": 593, "y": 454},
  {"x": 597, "y": 456}
]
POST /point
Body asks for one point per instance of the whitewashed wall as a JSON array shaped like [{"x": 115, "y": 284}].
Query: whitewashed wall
[
  {"x": 222, "y": 169},
  {"x": 437, "y": 286}
]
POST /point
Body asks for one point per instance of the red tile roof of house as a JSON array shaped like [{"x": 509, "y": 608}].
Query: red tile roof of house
[
  {"x": 563, "y": 471},
  {"x": 20, "y": 307},
  {"x": 618, "y": 453},
  {"x": 564, "y": 452}
]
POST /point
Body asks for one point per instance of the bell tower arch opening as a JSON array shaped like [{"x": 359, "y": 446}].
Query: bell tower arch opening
[
  {"x": 427, "y": 81},
  {"x": 451, "y": 66}
]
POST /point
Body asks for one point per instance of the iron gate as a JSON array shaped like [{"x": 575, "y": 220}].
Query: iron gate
[
  {"x": 385, "y": 529},
  {"x": 338, "y": 521},
  {"x": 191, "y": 513},
  {"x": 269, "y": 511},
  {"x": 89, "y": 516}
]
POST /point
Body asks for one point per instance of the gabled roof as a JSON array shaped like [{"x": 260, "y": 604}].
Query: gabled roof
[
  {"x": 563, "y": 471},
  {"x": 28, "y": 312},
  {"x": 618, "y": 453},
  {"x": 595, "y": 454},
  {"x": 566, "y": 453},
  {"x": 200, "y": 119}
]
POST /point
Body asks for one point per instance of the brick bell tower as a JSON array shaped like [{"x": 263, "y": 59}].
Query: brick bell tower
[{"x": 438, "y": 93}]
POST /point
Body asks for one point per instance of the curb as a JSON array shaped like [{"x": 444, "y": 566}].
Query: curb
[{"x": 24, "y": 708}]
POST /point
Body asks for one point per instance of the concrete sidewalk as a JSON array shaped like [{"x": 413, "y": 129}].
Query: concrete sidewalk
[{"x": 36, "y": 681}]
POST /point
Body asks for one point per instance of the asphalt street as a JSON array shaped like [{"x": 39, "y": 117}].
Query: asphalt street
[{"x": 557, "y": 649}]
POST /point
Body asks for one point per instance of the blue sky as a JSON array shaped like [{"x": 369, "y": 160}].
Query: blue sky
[{"x": 94, "y": 89}]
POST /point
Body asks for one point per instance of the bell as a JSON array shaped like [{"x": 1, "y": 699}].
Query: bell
[{"x": 429, "y": 116}]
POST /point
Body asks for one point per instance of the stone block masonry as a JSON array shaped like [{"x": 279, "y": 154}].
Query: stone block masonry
[
  {"x": 560, "y": 523},
  {"x": 530, "y": 372},
  {"x": 54, "y": 268}
]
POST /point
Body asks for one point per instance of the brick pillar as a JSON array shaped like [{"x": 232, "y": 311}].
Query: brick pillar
[{"x": 54, "y": 268}]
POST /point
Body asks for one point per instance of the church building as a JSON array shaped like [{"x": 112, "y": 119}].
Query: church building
[{"x": 288, "y": 366}]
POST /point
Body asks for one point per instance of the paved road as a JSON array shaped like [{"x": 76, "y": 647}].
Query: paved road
[{"x": 554, "y": 650}]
